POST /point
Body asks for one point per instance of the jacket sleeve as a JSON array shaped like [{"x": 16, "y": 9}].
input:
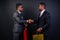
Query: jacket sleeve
[
  {"x": 47, "y": 18},
  {"x": 16, "y": 18}
]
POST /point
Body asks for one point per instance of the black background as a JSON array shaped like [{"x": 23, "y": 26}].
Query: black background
[{"x": 7, "y": 8}]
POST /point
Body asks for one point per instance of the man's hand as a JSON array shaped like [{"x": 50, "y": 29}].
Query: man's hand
[
  {"x": 39, "y": 29},
  {"x": 30, "y": 21}
]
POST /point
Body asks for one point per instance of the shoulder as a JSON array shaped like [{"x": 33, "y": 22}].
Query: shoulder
[
  {"x": 15, "y": 13},
  {"x": 46, "y": 13}
]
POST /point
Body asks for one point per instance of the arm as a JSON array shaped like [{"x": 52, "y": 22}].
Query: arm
[
  {"x": 47, "y": 18},
  {"x": 16, "y": 18}
]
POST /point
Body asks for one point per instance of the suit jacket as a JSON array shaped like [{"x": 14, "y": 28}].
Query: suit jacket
[
  {"x": 44, "y": 22},
  {"x": 18, "y": 22}
]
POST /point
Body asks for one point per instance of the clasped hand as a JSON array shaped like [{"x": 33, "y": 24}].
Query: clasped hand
[{"x": 30, "y": 21}]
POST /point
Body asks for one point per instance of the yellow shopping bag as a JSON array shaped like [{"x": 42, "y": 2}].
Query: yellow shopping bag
[{"x": 38, "y": 37}]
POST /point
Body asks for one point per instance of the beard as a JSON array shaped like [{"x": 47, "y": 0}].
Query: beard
[
  {"x": 40, "y": 9},
  {"x": 21, "y": 10}
]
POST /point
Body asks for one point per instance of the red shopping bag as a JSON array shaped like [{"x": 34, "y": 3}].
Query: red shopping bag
[{"x": 25, "y": 33}]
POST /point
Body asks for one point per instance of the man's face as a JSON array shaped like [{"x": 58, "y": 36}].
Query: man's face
[
  {"x": 41, "y": 7},
  {"x": 20, "y": 8}
]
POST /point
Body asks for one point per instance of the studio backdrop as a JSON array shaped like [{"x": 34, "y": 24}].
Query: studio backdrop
[{"x": 7, "y": 8}]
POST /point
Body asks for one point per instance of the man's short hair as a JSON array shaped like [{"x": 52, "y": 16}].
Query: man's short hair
[
  {"x": 18, "y": 4},
  {"x": 42, "y": 3}
]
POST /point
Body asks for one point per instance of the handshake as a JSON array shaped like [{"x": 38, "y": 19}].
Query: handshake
[{"x": 30, "y": 21}]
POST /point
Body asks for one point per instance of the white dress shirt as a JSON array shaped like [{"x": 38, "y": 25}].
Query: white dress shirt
[
  {"x": 42, "y": 12},
  {"x": 18, "y": 11}
]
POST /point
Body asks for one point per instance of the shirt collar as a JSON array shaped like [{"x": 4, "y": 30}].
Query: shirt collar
[
  {"x": 43, "y": 11},
  {"x": 18, "y": 11}
]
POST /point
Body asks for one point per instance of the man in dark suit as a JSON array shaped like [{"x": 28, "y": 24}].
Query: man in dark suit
[
  {"x": 19, "y": 22},
  {"x": 43, "y": 20}
]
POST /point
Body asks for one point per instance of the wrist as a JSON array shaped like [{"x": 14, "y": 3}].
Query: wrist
[
  {"x": 41, "y": 28},
  {"x": 27, "y": 21}
]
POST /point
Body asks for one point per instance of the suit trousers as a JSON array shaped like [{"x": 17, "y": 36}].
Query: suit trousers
[{"x": 18, "y": 36}]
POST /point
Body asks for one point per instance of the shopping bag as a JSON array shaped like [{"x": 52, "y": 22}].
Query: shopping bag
[
  {"x": 38, "y": 37},
  {"x": 25, "y": 33}
]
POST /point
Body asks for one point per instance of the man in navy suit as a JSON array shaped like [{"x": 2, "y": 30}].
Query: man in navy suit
[
  {"x": 19, "y": 22},
  {"x": 43, "y": 20}
]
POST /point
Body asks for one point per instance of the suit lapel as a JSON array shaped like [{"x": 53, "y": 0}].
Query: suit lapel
[
  {"x": 42, "y": 14},
  {"x": 20, "y": 15}
]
